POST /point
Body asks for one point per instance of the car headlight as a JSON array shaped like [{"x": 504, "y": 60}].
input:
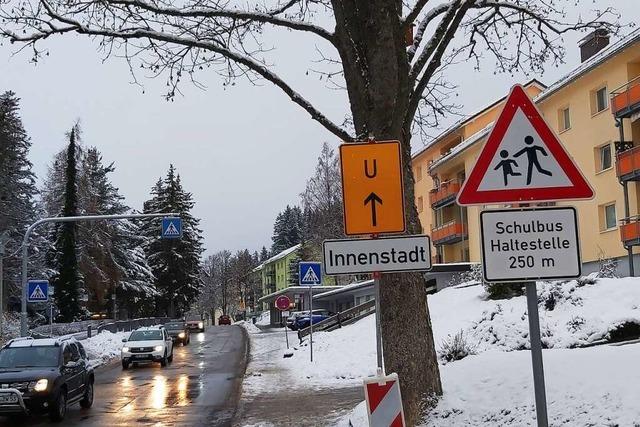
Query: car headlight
[
  {"x": 41, "y": 385},
  {"x": 181, "y": 335},
  {"x": 158, "y": 348},
  {"x": 200, "y": 325},
  {"x": 125, "y": 349}
]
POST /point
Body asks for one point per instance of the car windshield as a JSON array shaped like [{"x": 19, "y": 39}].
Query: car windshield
[
  {"x": 174, "y": 325},
  {"x": 155, "y": 334},
  {"x": 29, "y": 357}
]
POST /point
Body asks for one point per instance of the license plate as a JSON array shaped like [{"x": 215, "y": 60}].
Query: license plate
[
  {"x": 8, "y": 398},
  {"x": 141, "y": 356}
]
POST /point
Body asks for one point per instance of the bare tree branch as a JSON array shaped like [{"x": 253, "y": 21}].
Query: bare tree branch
[{"x": 201, "y": 12}]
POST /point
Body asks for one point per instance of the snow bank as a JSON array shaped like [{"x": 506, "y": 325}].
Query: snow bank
[
  {"x": 264, "y": 319},
  {"x": 570, "y": 315},
  {"x": 340, "y": 358},
  {"x": 103, "y": 347},
  {"x": 585, "y": 387},
  {"x": 248, "y": 325}
]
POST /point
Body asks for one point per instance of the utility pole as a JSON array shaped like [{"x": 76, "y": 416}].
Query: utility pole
[
  {"x": 25, "y": 247},
  {"x": 4, "y": 239}
]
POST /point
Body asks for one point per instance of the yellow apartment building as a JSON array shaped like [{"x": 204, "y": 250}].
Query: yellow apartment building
[{"x": 595, "y": 111}]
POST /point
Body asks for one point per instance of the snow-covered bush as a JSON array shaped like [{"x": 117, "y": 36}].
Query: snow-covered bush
[
  {"x": 474, "y": 275},
  {"x": 456, "y": 347},
  {"x": 608, "y": 268},
  {"x": 503, "y": 290}
]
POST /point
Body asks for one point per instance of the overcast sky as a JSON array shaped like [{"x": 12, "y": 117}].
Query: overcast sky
[{"x": 244, "y": 152}]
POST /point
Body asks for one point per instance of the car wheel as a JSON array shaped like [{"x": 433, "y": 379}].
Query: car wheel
[
  {"x": 87, "y": 400},
  {"x": 58, "y": 408},
  {"x": 163, "y": 361},
  {"x": 125, "y": 365}
]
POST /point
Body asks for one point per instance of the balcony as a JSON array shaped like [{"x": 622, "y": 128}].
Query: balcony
[
  {"x": 449, "y": 233},
  {"x": 628, "y": 164},
  {"x": 625, "y": 101},
  {"x": 445, "y": 194},
  {"x": 630, "y": 231}
]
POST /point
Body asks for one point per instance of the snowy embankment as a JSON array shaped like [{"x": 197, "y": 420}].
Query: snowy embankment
[
  {"x": 103, "y": 347},
  {"x": 585, "y": 386}
]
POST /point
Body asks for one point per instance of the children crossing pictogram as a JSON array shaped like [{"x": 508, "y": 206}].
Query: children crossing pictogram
[{"x": 522, "y": 161}]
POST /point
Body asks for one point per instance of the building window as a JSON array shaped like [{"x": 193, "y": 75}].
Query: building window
[
  {"x": 599, "y": 100},
  {"x": 418, "y": 173},
  {"x": 564, "y": 118},
  {"x": 420, "y": 204},
  {"x": 608, "y": 219},
  {"x": 603, "y": 157}
]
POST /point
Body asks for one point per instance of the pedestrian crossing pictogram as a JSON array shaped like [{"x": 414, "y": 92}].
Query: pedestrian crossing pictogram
[
  {"x": 310, "y": 276},
  {"x": 310, "y": 273},
  {"x": 38, "y": 291},
  {"x": 171, "y": 230}
]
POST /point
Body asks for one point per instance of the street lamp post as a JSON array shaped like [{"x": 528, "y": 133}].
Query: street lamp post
[
  {"x": 4, "y": 239},
  {"x": 25, "y": 247}
]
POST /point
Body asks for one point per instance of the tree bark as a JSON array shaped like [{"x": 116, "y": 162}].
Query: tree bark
[{"x": 371, "y": 41}]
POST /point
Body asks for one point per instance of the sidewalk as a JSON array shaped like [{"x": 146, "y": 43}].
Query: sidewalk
[{"x": 273, "y": 396}]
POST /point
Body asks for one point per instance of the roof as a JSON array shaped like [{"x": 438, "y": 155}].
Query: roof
[
  {"x": 593, "y": 62},
  {"x": 459, "y": 123},
  {"x": 462, "y": 146},
  {"x": 38, "y": 342},
  {"x": 279, "y": 255},
  {"x": 297, "y": 290},
  {"x": 343, "y": 289}
]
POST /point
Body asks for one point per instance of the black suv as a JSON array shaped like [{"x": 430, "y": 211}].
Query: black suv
[
  {"x": 44, "y": 375},
  {"x": 178, "y": 331}
]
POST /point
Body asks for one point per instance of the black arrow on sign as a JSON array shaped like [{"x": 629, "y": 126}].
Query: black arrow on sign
[{"x": 373, "y": 199}]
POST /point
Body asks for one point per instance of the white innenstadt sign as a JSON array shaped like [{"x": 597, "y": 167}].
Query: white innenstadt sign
[
  {"x": 407, "y": 253},
  {"x": 529, "y": 244}
]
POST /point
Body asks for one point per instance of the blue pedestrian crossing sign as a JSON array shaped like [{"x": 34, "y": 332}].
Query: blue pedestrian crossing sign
[
  {"x": 171, "y": 228},
  {"x": 38, "y": 291},
  {"x": 310, "y": 273}
]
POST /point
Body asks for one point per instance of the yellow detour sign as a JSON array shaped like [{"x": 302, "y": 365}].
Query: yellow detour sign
[{"x": 372, "y": 188}]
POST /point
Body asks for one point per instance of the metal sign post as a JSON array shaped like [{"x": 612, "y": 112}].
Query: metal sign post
[
  {"x": 376, "y": 285},
  {"x": 4, "y": 238},
  {"x": 536, "y": 355},
  {"x": 25, "y": 248},
  {"x": 285, "y": 316},
  {"x": 310, "y": 274},
  {"x": 311, "y": 321}
]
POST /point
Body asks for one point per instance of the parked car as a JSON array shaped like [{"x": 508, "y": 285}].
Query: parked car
[
  {"x": 292, "y": 320},
  {"x": 178, "y": 331},
  {"x": 147, "y": 344},
  {"x": 44, "y": 375},
  {"x": 318, "y": 316},
  {"x": 225, "y": 319},
  {"x": 195, "y": 323}
]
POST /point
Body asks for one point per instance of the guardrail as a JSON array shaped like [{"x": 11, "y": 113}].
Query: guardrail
[
  {"x": 345, "y": 317},
  {"x": 130, "y": 325}
]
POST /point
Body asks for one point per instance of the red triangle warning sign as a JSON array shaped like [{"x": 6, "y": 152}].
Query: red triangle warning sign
[{"x": 523, "y": 161}]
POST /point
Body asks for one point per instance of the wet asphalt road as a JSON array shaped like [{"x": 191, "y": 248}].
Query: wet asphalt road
[{"x": 200, "y": 387}]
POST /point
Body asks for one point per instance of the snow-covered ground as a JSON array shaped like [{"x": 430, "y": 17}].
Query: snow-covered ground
[
  {"x": 585, "y": 386},
  {"x": 264, "y": 319},
  {"x": 103, "y": 347}
]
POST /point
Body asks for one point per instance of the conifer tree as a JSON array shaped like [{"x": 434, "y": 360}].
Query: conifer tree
[
  {"x": 174, "y": 262},
  {"x": 17, "y": 192},
  {"x": 67, "y": 279}
]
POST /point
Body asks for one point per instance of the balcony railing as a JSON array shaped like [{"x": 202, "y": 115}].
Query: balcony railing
[
  {"x": 445, "y": 194},
  {"x": 449, "y": 233},
  {"x": 625, "y": 100},
  {"x": 630, "y": 231},
  {"x": 628, "y": 164}
]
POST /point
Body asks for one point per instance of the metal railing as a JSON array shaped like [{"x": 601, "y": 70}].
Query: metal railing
[
  {"x": 447, "y": 190},
  {"x": 626, "y": 96},
  {"x": 343, "y": 318},
  {"x": 131, "y": 325}
]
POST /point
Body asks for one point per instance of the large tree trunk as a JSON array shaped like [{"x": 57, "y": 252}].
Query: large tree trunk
[{"x": 371, "y": 43}]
